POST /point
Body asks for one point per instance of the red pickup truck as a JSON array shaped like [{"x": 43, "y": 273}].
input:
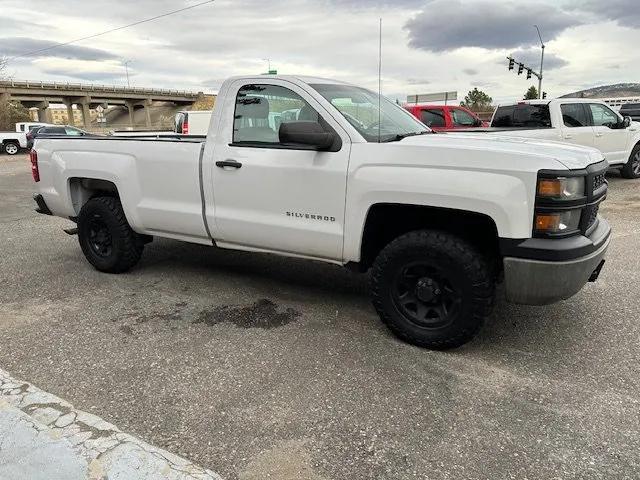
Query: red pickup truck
[{"x": 445, "y": 117}]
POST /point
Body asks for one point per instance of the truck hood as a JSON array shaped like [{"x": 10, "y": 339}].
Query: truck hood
[{"x": 573, "y": 157}]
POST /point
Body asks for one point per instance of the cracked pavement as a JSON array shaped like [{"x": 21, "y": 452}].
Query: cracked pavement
[
  {"x": 260, "y": 367},
  {"x": 44, "y": 437}
]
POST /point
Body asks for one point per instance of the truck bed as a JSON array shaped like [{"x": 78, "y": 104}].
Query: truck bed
[{"x": 158, "y": 179}]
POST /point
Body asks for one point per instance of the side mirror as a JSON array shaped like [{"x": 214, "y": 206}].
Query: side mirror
[
  {"x": 306, "y": 133},
  {"x": 477, "y": 123},
  {"x": 626, "y": 122}
]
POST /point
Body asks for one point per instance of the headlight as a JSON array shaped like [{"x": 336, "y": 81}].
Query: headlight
[
  {"x": 561, "y": 188},
  {"x": 557, "y": 222}
]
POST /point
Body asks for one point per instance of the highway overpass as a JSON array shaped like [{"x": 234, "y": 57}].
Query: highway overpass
[{"x": 87, "y": 96}]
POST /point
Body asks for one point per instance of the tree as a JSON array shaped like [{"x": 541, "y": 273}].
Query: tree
[
  {"x": 531, "y": 94},
  {"x": 477, "y": 100},
  {"x": 12, "y": 113}
]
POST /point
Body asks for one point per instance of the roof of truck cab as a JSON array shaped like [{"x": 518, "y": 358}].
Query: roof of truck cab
[
  {"x": 548, "y": 101},
  {"x": 299, "y": 78}
]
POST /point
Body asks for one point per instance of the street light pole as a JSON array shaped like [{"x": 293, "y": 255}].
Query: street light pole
[
  {"x": 126, "y": 68},
  {"x": 541, "y": 63},
  {"x": 268, "y": 60}
]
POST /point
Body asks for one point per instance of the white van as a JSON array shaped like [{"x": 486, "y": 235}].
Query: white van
[{"x": 194, "y": 122}]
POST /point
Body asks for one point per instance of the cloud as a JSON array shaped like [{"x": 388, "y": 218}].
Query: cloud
[
  {"x": 105, "y": 71},
  {"x": 470, "y": 71},
  {"x": 447, "y": 25},
  {"x": 15, "y": 46},
  {"x": 625, "y": 12},
  {"x": 417, "y": 81},
  {"x": 531, "y": 58}
]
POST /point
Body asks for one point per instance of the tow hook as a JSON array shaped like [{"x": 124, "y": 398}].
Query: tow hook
[{"x": 71, "y": 231}]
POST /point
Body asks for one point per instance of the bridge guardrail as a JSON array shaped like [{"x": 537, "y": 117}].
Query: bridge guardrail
[{"x": 93, "y": 88}]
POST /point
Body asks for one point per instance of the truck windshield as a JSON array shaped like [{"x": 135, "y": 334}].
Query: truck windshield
[
  {"x": 360, "y": 107},
  {"x": 522, "y": 115}
]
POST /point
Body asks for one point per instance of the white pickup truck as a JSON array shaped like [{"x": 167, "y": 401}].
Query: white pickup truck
[
  {"x": 12, "y": 142},
  {"x": 586, "y": 122},
  {"x": 437, "y": 219}
]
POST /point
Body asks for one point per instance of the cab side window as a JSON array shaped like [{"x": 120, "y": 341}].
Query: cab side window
[
  {"x": 461, "y": 118},
  {"x": 261, "y": 109},
  {"x": 433, "y": 117},
  {"x": 574, "y": 115},
  {"x": 602, "y": 116}
]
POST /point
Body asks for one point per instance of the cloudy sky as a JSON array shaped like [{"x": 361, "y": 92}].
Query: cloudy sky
[{"x": 428, "y": 45}]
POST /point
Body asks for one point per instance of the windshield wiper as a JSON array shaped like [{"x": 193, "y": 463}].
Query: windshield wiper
[{"x": 400, "y": 136}]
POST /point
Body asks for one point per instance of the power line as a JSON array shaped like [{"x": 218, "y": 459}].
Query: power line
[{"x": 28, "y": 54}]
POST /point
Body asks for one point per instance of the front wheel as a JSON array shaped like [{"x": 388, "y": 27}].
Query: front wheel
[
  {"x": 11, "y": 148},
  {"x": 631, "y": 169},
  {"x": 432, "y": 289},
  {"x": 106, "y": 239}
]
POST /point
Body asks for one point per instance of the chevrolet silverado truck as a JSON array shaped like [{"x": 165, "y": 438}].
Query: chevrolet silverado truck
[
  {"x": 578, "y": 121},
  {"x": 322, "y": 170}
]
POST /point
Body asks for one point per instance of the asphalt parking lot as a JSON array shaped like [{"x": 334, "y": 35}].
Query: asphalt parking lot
[{"x": 261, "y": 367}]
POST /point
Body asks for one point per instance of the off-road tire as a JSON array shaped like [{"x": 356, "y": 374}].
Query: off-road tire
[
  {"x": 11, "y": 148},
  {"x": 126, "y": 245},
  {"x": 631, "y": 169},
  {"x": 456, "y": 258}
]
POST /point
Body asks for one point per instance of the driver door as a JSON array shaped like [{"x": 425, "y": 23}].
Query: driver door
[
  {"x": 612, "y": 142},
  {"x": 272, "y": 196}
]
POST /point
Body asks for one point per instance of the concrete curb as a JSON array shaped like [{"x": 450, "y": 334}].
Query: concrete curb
[{"x": 44, "y": 437}]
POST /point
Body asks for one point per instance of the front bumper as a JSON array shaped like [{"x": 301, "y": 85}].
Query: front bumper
[{"x": 536, "y": 281}]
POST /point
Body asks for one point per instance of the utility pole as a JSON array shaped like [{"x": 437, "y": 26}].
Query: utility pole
[
  {"x": 541, "y": 63},
  {"x": 268, "y": 60},
  {"x": 126, "y": 68}
]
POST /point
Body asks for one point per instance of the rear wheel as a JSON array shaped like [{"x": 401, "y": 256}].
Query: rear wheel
[
  {"x": 106, "y": 239},
  {"x": 432, "y": 289},
  {"x": 11, "y": 148},
  {"x": 631, "y": 169}
]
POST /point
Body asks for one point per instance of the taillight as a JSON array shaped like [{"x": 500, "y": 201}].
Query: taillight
[
  {"x": 35, "y": 173},
  {"x": 185, "y": 128}
]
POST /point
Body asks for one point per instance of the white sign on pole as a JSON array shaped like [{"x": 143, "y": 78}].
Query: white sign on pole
[{"x": 432, "y": 97}]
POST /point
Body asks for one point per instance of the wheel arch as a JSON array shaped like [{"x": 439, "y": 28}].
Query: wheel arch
[
  {"x": 386, "y": 221},
  {"x": 82, "y": 189}
]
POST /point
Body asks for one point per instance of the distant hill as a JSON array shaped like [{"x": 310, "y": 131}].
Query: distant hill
[{"x": 608, "y": 91}]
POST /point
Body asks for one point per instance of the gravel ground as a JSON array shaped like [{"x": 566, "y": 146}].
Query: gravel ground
[{"x": 263, "y": 367}]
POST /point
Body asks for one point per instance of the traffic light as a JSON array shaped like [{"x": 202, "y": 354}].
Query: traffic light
[
  {"x": 528, "y": 73},
  {"x": 544, "y": 94},
  {"x": 511, "y": 62},
  {"x": 520, "y": 68}
]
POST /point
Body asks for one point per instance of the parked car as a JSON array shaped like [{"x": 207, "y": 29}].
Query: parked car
[
  {"x": 585, "y": 122},
  {"x": 61, "y": 130},
  {"x": 442, "y": 118},
  {"x": 194, "y": 122},
  {"x": 631, "y": 110},
  {"x": 353, "y": 180}
]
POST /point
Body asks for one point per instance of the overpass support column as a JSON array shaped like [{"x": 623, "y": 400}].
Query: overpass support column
[
  {"x": 43, "y": 112},
  {"x": 147, "y": 112},
  {"x": 86, "y": 111},
  {"x": 70, "y": 117},
  {"x": 4, "y": 97},
  {"x": 131, "y": 107}
]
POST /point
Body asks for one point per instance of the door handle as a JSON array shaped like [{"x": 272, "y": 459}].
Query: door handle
[
  {"x": 228, "y": 163},
  {"x": 567, "y": 135},
  {"x": 598, "y": 134}
]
